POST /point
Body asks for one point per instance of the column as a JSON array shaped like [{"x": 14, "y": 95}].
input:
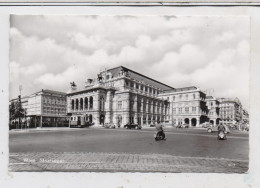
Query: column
[
  {"x": 190, "y": 122},
  {"x": 135, "y": 104},
  {"x": 40, "y": 121},
  {"x": 198, "y": 122},
  {"x": 83, "y": 107},
  {"x": 152, "y": 107},
  {"x": 170, "y": 113},
  {"x": 108, "y": 109},
  {"x": 126, "y": 107}
]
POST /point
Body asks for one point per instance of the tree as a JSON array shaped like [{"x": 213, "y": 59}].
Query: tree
[
  {"x": 11, "y": 113},
  {"x": 16, "y": 111}
]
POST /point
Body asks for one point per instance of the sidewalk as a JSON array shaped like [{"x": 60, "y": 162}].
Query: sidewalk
[
  {"x": 122, "y": 162},
  {"x": 52, "y": 129}
]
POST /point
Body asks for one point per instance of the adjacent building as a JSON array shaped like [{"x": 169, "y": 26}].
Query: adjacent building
[
  {"x": 45, "y": 108},
  {"x": 214, "y": 110},
  {"x": 187, "y": 105},
  {"x": 230, "y": 110}
]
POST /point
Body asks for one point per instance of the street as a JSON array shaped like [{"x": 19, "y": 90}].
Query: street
[{"x": 193, "y": 148}]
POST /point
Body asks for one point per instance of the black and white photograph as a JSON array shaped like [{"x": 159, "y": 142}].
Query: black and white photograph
[{"x": 129, "y": 93}]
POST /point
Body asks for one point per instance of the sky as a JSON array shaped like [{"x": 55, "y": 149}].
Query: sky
[{"x": 50, "y": 51}]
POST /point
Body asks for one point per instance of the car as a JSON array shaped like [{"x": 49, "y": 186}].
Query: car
[
  {"x": 215, "y": 129},
  {"x": 109, "y": 126},
  {"x": 185, "y": 125},
  {"x": 152, "y": 125},
  {"x": 178, "y": 126},
  {"x": 206, "y": 125},
  {"x": 132, "y": 126}
]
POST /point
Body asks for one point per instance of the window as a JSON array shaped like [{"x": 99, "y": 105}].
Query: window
[
  {"x": 194, "y": 96},
  {"x": 119, "y": 104},
  {"x": 131, "y": 104},
  {"x": 173, "y": 98},
  {"x": 139, "y": 106},
  {"x": 186, "y": 109},
  {"x": 187, "y": 97},
  {"x": 174, "y": 110},
  {"x": 193, "y": 109},
  {"x": 102, "y": 104},
  {"x": 91, "y": 102},
  {"x": 180, "y": 110},
  {"x": 180, "y": 96}
]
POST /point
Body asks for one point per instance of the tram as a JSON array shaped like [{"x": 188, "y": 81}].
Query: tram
[{"x": 78, "y": 121}]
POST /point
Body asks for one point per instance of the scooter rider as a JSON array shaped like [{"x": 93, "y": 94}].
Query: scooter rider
[
  {"x": 221, "y": 131},
  {"x": 160, "y": 135},
  {"x": 159, "y": 128},
  {"x": 221, "y": 127}
]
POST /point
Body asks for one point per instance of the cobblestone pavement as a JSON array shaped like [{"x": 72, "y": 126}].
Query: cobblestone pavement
[{"x": 122, "y": 162}]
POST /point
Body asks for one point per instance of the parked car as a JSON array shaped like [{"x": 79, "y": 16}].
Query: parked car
[
  {"x": 185, "y": 125},
  {"x": 215, "y": 129},
  {"x": 132, "y": 126},
  {"x": 152, "y": 125},
  {"x": 206, "y": 125},
  {"x": 109, "y": 126},
  {"x": 178, "y": 126}
]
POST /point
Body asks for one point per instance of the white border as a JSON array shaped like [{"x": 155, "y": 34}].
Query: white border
[{"x": 132, "y": 179}]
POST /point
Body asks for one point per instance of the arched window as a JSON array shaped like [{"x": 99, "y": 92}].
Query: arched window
[
  {"x": 102, "y": 103},
  {"x": 77, "y": 104},
  {"x": 86, "y": 103},
  {"x": 81, "y": 104},
  {"x": 72, "y": 105},
  {"x": 91, "y": 102},
  {"x": 90, "y": 118}
]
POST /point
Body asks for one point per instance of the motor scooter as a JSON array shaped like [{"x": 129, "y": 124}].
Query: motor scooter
[
  {"x": 160, "y": 135},
  {"x": 222, "y": 135}
]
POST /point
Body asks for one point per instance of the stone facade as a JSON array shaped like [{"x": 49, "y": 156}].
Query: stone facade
[
  {"x": 119, "y": 96},
  {"x": 45, "y": 108},
  {"x": 187, "y": 106},
  {"x": 213, "y": 106},
  {"x": 230, "y": 110}
]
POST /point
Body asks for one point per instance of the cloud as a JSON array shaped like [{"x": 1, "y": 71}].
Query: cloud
[{"x": 209, "y": 52}]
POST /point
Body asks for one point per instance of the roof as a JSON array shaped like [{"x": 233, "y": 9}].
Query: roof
[
  {"x": 140, "y": 77},
  {"x": 51, "y": 92},
  {"x": 181, "y": 89}
]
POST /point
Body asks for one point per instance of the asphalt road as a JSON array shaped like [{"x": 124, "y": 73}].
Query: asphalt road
[{"x": 180, "y": 142}]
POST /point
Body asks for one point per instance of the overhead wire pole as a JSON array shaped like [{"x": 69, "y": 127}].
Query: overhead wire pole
[{"x": 20, "y": 102}]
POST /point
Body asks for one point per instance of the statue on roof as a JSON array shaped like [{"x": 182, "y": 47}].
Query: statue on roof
[
  {"x": 73, "y": 85},
  {"x": 99, "y": 77}
]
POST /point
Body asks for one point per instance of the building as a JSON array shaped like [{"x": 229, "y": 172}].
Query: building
[
  {"x": 230, "y": 110},
  {"x": 187, "y": 105},
  {"x": 119, "y": 96},
  {"x": 213, "y": 106},
  {"x": 45, "y": 108},
  {"x": 245, "y": 116}
]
